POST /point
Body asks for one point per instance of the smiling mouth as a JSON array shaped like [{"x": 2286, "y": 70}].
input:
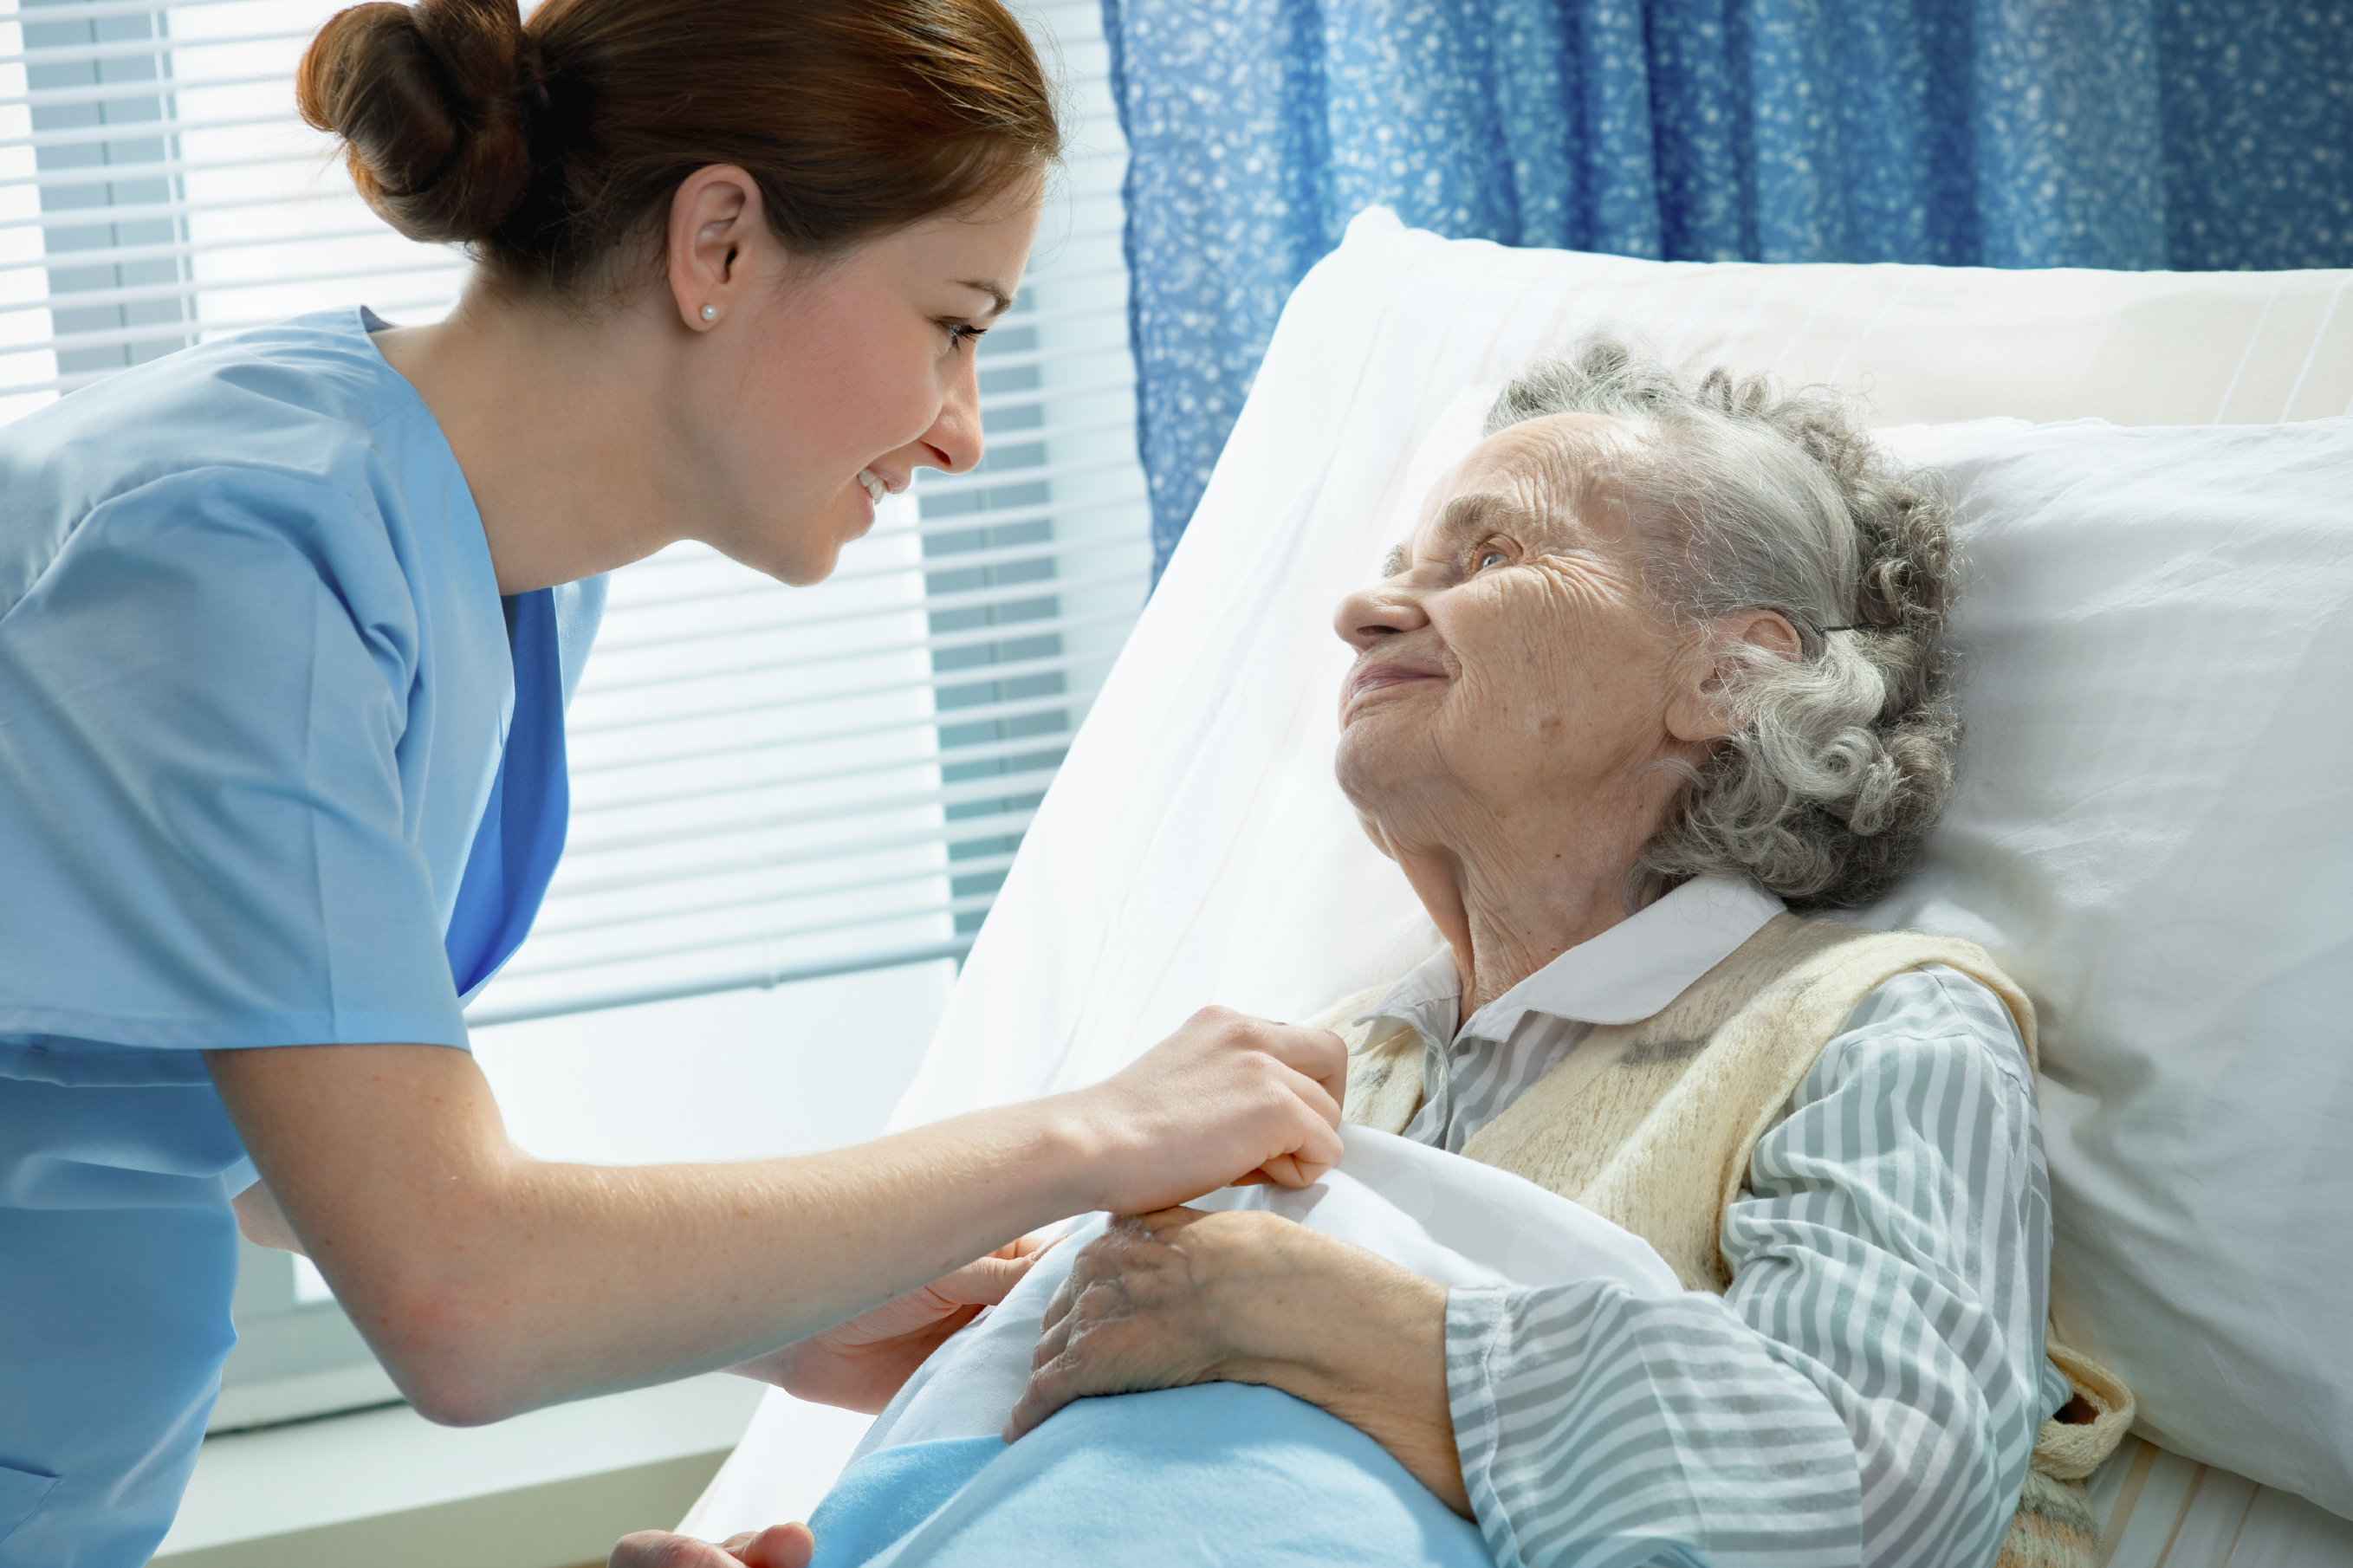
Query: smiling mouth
[
  {"x": 1381, "y": 677},
  {"x": 875, "y": 486}
]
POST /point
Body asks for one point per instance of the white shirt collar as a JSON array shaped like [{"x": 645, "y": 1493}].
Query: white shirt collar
[{"x": 1626, "y": 974}]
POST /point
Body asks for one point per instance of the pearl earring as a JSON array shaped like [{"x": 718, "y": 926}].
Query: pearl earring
[{"x": 711, "y": 313}]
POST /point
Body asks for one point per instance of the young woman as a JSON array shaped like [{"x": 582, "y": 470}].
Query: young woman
[{"x": 285, "y": 626}]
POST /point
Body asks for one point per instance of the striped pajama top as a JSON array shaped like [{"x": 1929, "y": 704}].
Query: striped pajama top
[{"x": 1868, "y": 1390}]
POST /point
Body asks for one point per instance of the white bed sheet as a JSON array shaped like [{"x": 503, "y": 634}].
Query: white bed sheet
[{"x": 1193, "y": 846}]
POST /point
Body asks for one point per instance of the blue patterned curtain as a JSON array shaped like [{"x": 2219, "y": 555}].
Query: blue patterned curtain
[{"x": 2192, "y": 134}]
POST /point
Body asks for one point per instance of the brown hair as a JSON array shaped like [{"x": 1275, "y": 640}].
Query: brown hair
[{"x": 547, "y": 147}]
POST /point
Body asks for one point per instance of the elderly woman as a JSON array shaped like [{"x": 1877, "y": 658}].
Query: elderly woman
[{"x": 1656, "y": 667}]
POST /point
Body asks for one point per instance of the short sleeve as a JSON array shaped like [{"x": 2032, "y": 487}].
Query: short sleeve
[{"x": 202, "y": 803}]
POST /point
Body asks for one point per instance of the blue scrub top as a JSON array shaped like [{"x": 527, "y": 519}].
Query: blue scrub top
[{"x": 278, "y": 766}]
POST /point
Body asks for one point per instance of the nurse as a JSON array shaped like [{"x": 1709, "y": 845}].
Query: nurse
[{"x": 286, "y": 622}]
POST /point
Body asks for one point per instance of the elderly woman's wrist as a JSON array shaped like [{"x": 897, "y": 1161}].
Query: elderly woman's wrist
[
  {"x": 1387, "y": 1350},
  {"x": 1387, "y": 1379},
  {"x": 1364, "y": 1340}
]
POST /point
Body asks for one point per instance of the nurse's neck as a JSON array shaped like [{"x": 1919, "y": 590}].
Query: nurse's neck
[{"x": 551, "y": 412}]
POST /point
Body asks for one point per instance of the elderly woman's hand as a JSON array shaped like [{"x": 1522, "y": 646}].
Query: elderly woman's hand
[{"x": 1160, "y": 1301}]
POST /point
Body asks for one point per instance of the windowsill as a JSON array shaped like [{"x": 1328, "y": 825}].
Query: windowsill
[
  {"x": 554, "y": 1487},
  {"x": 358, "y": 1387}
]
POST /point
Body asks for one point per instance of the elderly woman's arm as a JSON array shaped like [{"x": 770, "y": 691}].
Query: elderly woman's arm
[
  {"x": 1869, "y": 1387},
  {"x": 1868, "y": 1391}
]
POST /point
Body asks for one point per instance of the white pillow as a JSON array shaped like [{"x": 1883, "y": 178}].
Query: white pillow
[{"x": 2154, "y": 834}]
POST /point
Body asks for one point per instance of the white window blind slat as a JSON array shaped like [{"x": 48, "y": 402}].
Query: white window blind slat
[
  {"x": 605, "y": 832},
  {"x": 609, "y": 801},
  {"x": 164, "y": 50},
  {"x": 575, "y": 921},
  {"x": 93, "y": 135},
  {"x": 637, "y": 948},
  {"x": 149, "y": 293},
  {"x": 1099, "y": 385},
  {"x": 118, "y": 213},
  {"x": 999, "y": 597},
  {"x": 692, "y": 862},
  {"x": 179, "y": 250},
  {"x": 1005, "y": 479},
  {"x": 1055, "y": 668},
  {"x": 803, "y": 662},
  {"x": 1007, "y": 556},
  {"x": 114, "y": 10},
  {"x": 113, "y": 174},
  {"x": 487, "y": 1015},
  {"x": 585, "y": 773}
]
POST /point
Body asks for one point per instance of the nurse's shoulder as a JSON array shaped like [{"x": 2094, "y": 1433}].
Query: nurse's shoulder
[
  {"x": 299, "y": 426},
  {"x": 293, "y": 452}
]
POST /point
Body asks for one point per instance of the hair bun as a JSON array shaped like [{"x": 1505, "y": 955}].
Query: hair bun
[{"x": 425, "y": 98}]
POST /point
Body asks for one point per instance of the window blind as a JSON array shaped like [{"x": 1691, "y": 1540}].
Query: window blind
[{"x": 768, "y": 783}]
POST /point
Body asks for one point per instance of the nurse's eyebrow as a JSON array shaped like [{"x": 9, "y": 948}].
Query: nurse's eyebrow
[{"x": 995, "y": 291}]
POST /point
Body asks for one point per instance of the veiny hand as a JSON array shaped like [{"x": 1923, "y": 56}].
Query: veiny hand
[
  {"x": 778, "y": 1546},
  {"x": 1225, "y": 1099},
  {"x": 859, "y": 1364},
  {"x": 1181, "y": 1296}
]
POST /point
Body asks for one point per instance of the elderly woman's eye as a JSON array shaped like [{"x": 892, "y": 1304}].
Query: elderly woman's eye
[{"x": 1490, "y": 558}]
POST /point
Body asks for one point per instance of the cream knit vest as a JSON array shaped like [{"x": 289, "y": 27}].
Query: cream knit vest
[{"x": 1652, "y": 1125}]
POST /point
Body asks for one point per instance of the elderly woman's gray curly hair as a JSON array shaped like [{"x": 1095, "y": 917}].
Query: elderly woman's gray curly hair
[{"x": 1753, "y": 499}]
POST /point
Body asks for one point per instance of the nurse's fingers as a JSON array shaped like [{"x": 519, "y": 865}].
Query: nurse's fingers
[
  {"x": 778, "y": 1546},
  {"x": 1315, "y": 1054},
  {"x": 1224, "y": 1097},
  {"x": 984, "y": 1281},
  {"x": 1318, "y": 1151}
]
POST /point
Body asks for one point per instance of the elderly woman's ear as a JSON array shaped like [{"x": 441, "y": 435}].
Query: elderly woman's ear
[{"x": 1702, "y": 706}]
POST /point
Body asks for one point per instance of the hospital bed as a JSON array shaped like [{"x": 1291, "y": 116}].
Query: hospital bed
[{"x": 2152, "y": 832}]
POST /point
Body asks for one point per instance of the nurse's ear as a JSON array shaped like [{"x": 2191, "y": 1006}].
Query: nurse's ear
[{"x": 716, "y": 222}]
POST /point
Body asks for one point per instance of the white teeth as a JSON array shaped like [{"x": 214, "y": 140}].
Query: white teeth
[{"x": 875, "y": 488}]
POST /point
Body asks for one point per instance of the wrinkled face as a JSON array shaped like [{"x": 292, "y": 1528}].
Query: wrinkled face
[
  {"x": 850, "y": 376},
  {"x": 1511, "y": 658}
]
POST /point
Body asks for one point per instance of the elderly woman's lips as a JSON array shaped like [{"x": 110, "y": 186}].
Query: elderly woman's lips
[{"x": 1374, "y": 678}]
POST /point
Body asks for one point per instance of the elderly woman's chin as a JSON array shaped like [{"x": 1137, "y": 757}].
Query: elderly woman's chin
[{"x": 1377, "y": 764}]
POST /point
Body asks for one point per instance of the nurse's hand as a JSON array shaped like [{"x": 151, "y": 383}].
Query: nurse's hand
[
  {"x": 859, "y": 1364},
  {"x": 778, "y": 1546},
  {"x": 261, "y": 1222},
  {"x": 1227, "y": 1098}
]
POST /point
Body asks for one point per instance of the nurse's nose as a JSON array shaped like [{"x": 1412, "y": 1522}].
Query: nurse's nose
[{"x": 955, "y": 442}]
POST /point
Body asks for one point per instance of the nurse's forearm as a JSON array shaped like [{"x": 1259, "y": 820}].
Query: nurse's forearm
[{"x": 490, "y": 1282}]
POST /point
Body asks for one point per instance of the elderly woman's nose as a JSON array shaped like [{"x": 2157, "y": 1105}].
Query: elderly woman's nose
[{"x": 1383, "y": 609}]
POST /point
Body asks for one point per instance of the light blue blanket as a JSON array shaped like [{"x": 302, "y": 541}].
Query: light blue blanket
[{"x": 1222, "y": 1473}]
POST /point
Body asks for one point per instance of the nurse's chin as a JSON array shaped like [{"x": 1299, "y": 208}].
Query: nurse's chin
[
  {"x": 802, "y": 570},
  {"x": 799, "y": 554}
]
